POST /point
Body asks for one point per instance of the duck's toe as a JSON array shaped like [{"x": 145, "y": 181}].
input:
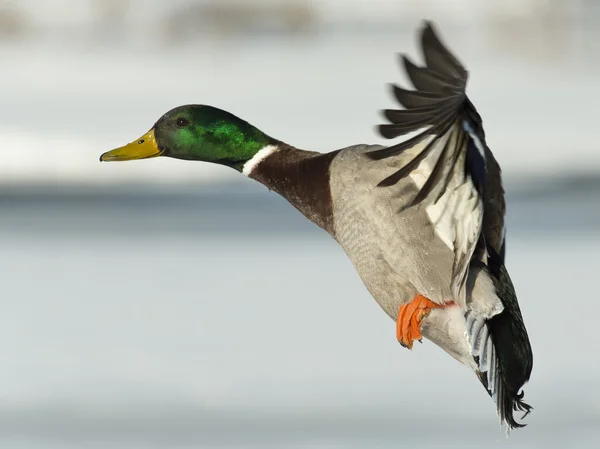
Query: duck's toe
[{"x": 410, "y": 318}]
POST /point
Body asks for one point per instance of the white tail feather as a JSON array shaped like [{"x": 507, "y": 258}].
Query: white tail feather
[{"x": 483, "y": 348}]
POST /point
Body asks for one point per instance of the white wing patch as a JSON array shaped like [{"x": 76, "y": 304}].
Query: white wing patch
[
  {"x": 420, "y": 175},
  {"x": 457, "y": 216}
]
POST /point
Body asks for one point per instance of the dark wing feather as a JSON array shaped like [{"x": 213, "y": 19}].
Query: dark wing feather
[
  {"x": 495, "y": 207},
  {"x": 455, "y": 142},
  {"x": 413, "y": 99},
  {"x": 437, "y": 104}
]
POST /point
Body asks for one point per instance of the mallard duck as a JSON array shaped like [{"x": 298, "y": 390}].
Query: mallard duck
[{"x": 422, "y": 220}]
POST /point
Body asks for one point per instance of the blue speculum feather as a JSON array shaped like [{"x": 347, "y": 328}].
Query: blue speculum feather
[{"x": 475, "y": 162}]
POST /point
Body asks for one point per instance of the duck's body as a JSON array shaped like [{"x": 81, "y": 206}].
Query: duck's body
[
  {"x": 422, "y": 221},
  {"x": 397, "y": 256}
]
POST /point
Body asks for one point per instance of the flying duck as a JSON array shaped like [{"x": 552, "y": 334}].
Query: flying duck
[{"x": 422, "y": 220}]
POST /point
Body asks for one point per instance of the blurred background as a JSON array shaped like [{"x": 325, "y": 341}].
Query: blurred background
[{"x": 171, "y": 304}]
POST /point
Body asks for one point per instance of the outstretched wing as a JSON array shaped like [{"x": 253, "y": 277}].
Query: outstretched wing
[
  {"x": 459, "y": 184},
  {"x": 454, "y": 151}
]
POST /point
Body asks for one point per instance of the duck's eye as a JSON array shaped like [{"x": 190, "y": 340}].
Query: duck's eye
[{"x": 182, "y": 122}]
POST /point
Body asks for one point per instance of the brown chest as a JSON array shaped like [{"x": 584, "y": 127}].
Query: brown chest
[{"x": 302, "y": 178}]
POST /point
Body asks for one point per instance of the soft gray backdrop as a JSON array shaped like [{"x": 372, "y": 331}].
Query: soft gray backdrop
[{"x": 170, "y": 304}]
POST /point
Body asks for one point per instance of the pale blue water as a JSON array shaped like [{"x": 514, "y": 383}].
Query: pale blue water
[{"x": 177, "y": 320}]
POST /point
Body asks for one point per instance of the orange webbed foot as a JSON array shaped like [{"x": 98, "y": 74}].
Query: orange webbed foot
[{"x": 410, "y": 317}]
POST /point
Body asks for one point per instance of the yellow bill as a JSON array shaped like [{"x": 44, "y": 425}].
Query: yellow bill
[{"x": 143, "y": 148}]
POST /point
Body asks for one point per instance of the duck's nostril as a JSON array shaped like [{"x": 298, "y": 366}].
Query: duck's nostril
[{"x": 141, "y": 141}]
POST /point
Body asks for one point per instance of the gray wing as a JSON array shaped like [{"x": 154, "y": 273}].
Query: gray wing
[
  {"x": 453, "y": 150},
  {"x": 463, "y": 197}
]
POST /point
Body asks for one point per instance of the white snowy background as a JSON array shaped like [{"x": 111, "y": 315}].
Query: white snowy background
[{"x": 170, "y": 304}]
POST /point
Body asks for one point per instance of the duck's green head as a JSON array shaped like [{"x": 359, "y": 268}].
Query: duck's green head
[{"x": 197, "y": 133}]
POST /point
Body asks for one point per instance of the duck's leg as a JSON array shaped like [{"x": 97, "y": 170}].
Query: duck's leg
[{"x": 410, "y": 317}]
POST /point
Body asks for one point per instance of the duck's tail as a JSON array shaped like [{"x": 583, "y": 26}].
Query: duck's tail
[{"x": 502, "y": 351}]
